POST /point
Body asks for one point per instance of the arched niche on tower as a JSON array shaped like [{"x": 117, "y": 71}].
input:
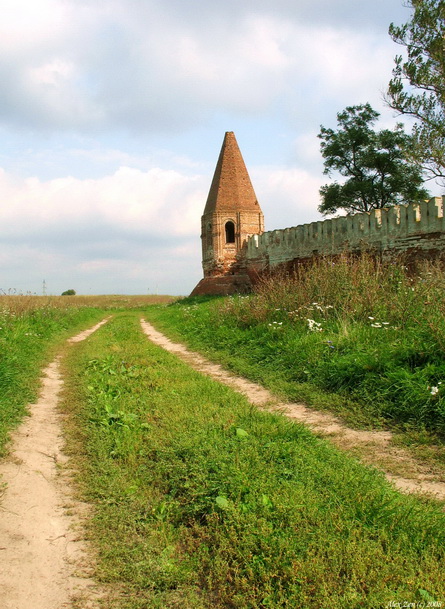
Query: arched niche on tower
[{"x": 229, "y": 231}]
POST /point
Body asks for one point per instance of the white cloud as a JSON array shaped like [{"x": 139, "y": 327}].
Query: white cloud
[
  {"x": 142, "y": 66},
  {"x": 163, "y": 203},
  {"x": 126, "y": 227},
  {"x": 288, "y": 197},
  {"x": 130, "y": 227},
  {"x": 108, "y": 108},
  {"x": 29, "y": 21}
]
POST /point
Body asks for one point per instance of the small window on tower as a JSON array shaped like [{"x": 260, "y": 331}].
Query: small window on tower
[{"x": 230, "y": 232}]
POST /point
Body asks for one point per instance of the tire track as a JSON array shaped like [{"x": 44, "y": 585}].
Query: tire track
[
  {"x": 373, "y": 447},
  {"x": 42, "y": 553}
]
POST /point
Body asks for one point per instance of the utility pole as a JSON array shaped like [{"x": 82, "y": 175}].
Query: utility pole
[{"x": 44, "y": 288}]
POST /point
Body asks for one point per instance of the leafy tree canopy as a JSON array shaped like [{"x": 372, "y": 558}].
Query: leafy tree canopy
[
  {"x": 417, "y": 88},
  {"x": 374, "y": 163},
  {"x": 69, "y": 293}
]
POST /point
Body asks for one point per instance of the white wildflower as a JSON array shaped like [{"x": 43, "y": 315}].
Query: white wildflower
[{"x": 314, "y": 326}]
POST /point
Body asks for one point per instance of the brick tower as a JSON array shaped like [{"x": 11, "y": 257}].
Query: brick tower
[{"x": 231, "y": 214}]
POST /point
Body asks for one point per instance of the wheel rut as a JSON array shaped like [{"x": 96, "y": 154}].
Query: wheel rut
[
  {"x": 372, "y": 447},
  {"x": 43, "y": 556}
]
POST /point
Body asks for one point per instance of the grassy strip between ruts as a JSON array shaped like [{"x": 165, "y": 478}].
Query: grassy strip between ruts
[
  {"x": 202, "y": 501},
  {"x": 28, "y": 335}
]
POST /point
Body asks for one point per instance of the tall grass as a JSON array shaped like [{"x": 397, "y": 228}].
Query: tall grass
[{"x": 371, "y": 333}]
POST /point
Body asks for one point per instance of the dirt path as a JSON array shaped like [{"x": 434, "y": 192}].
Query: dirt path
[
  {"x": 41, "y": 551},
  {"x": 373, "y": 447}
]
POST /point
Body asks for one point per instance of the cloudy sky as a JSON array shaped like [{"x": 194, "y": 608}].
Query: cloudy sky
[{"x": 113, "y": 112}]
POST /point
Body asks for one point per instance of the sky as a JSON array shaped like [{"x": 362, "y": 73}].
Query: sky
[{"x": 113, "y": 113}]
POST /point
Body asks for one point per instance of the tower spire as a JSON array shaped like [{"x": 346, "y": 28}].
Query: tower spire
[
  {"x": 231, "y": 188},
  {"x": 231, "y": 215}
]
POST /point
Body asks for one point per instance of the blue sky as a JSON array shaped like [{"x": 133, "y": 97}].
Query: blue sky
[{"x": 113, "y": 112}]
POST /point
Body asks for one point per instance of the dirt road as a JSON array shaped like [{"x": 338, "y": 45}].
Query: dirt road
[{"x": 42, "y": 554}]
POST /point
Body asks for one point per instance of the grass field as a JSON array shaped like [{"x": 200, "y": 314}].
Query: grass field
[
  {"x": 199, "y": 500},
  {"x": 203, "y": 501},
  {"x": 31, "y": 327}
]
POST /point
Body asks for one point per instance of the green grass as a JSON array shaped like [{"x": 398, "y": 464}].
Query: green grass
[
  {"x": 31, "y": 329},
  {"x": 28, "y": 337},
  {"x": 354, "y": 336},
  {"x": 201, "y": 501}
]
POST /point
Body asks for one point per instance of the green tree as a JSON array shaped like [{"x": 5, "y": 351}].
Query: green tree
[
  {"x": 69, "y": 293},
  {"x": 374, "y": 163},
  {"x": 417, "y": 88}
]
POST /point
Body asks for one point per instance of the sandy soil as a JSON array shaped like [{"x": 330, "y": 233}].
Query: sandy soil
[
  {"x": 373, "y": 447},
  {"x": 42, "y": 553}
]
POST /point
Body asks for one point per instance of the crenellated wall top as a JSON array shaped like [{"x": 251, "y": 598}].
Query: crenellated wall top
[{"x": 381, "y": 228}]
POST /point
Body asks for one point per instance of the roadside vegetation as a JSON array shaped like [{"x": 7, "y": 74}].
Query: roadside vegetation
[
  {"x": 361, "y": 338},
  {"x": 200, "y": 500},
  {"x": 30, "y": 329}
]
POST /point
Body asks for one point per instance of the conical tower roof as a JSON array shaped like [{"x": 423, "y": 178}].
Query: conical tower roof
[{"x": 231, "y": 188}]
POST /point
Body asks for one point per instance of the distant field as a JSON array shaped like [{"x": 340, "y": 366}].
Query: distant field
[{"x": 24, "y": 302}]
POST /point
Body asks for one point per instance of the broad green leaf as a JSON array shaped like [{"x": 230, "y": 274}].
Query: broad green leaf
[{"x": 222, "y": 502}]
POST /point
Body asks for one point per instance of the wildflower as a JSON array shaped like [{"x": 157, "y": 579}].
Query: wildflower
[
  {"x": 434, "y": 390},
  {"x": 314, "y": 326},
  {"x": 371, "y": 318},
  {"x": 376, "y": 325}
]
